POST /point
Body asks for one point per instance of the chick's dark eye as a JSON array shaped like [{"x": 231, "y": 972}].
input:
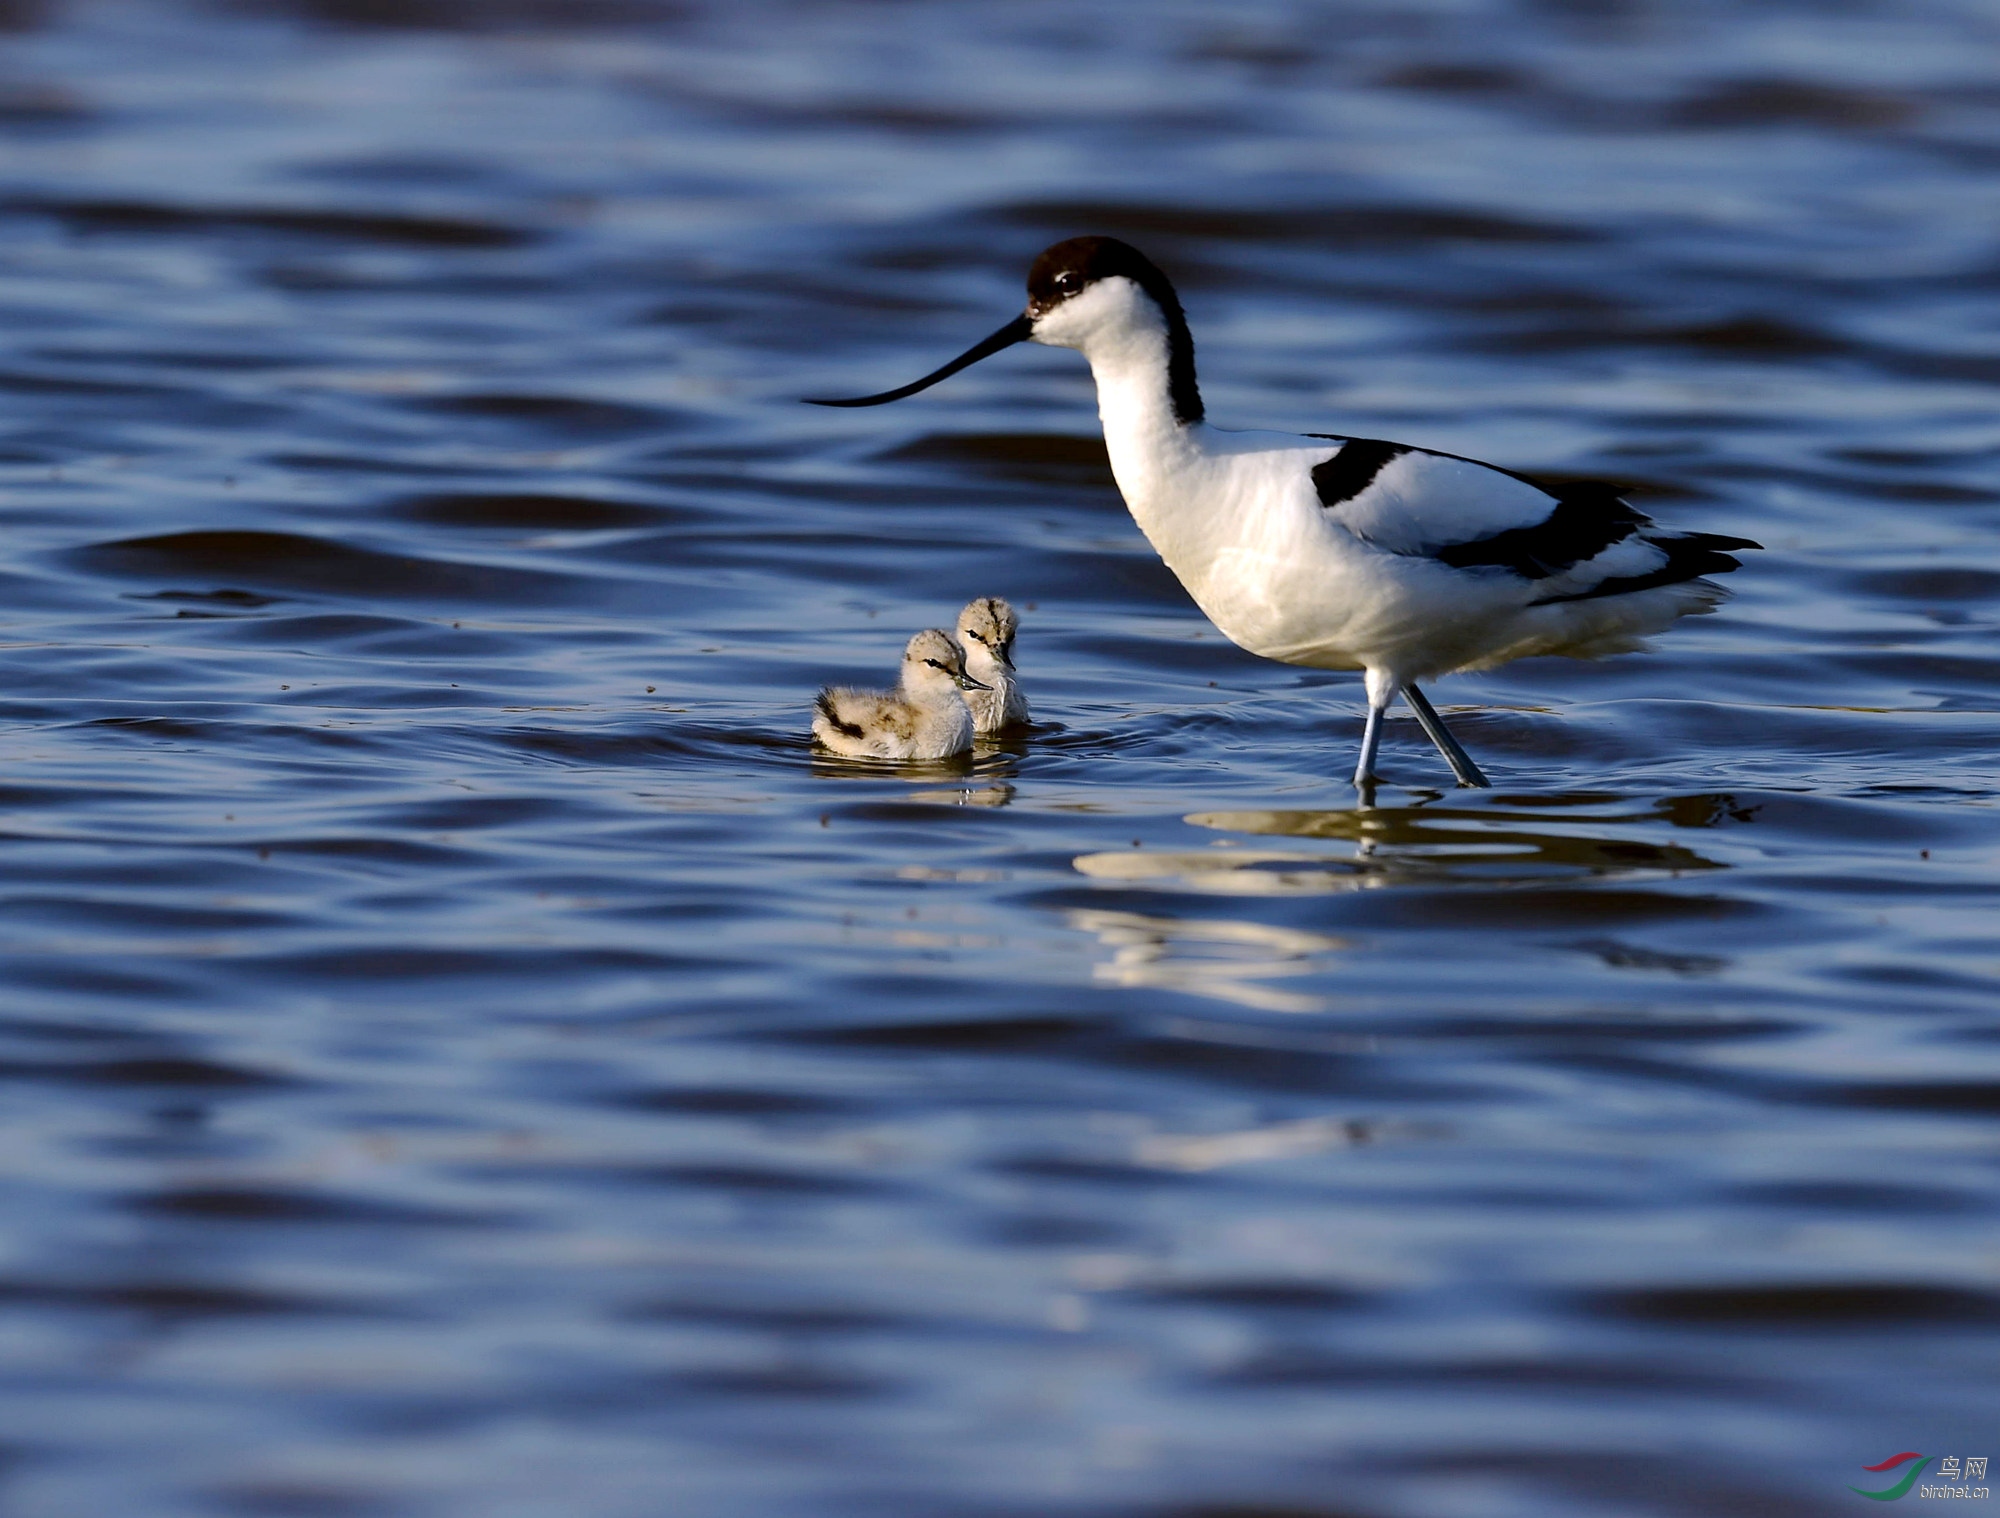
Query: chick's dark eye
[
  {"x": 1066, "y": 280},
  {"x": 935, "y": 665}
]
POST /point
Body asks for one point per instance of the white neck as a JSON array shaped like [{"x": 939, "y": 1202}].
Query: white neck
[
  {"x": 1151, "y": 451},
  {"x": 1141, "y": 433}
]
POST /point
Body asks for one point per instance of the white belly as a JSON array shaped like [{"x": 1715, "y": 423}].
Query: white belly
[
  {"x": 1281, "y": 578},
  {"x": 1251, "y": 545}
]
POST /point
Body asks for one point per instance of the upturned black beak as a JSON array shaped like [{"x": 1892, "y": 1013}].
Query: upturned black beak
[
  {"x": 966, "y": 682},
  {"x": 1016, "y": 331}
]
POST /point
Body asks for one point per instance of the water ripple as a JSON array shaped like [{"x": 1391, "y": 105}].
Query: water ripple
[{"x": 470, "y": 1056}]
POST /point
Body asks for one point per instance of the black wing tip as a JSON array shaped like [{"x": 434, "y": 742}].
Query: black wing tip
[
  {"x": 1702, "y": 553},
  {"x": 1694, "y": 566},
  {"x": 1689, "y": 557},
  {"x": 1716, "y": 540}
]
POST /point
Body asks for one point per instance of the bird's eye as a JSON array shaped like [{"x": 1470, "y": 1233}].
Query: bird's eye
[
  {"x": 1066, "y": 280},
  {"x": 974, "y": 636},
  {"x": 935, "y": 665}
]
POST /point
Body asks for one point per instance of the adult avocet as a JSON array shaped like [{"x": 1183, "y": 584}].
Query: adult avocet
[
  {"x": 986, "y": 631},
  {"x": 922, "y": 718},
  {"x": 1340, "y": 552}
]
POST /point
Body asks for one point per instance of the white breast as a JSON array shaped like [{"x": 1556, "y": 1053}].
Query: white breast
[{"x": 1234, "y": 515}]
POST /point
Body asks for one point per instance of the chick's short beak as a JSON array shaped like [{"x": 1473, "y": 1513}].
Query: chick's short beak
[{"x": 966, "y": 682}]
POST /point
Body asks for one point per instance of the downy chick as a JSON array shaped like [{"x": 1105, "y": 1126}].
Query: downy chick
[
  {"x": 986, "y": 627},
  {"x": 923, "y": 718}
]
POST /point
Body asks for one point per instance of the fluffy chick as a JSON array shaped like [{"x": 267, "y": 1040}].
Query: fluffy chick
[
  {"x": 986, "y": 627},
  {"x": 923, "y": 718}
]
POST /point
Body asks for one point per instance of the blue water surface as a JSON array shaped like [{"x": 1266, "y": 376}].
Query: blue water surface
[{"x": 468, "y": 1058}]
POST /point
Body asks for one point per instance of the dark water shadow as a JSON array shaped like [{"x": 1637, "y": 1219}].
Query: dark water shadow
[{"x": 226, "y": 559}]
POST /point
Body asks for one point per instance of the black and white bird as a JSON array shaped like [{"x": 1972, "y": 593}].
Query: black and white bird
[
  {"x": 1338, "y": 552},
  {"x": 986, "y": 631},
  {"x": 922, "y": 718}
]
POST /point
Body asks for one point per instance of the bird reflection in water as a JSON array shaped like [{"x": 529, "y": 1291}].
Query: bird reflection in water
[
  {"x": 971, "y": 795},
  {"x": 980, "y": 779},
  {"x": 1487, "y": 845},
  {"x": 1398, "y": 846},
  {"x": 1220, "y": 959},
  {"x": 1228, "y": 871},
  {"x": 1248, "y": 964}
]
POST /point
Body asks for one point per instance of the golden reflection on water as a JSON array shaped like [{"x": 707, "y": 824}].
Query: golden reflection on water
[
  {"x": 1402, "y": 846},
  {"x": 1487, "y": 845},
  {"x": 1218, "y": 958},
  {"x": 1227, "y": 871},
  {"x": 1237, "y": 961}
]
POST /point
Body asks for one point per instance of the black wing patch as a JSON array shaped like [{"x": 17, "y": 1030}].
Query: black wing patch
[
  {"x": 1353, "y": 469},
  {"x": 1588, "y": 518},
  {"x": 1689, "y": 555},
  {"x": 824, "y": 701},
  {"x": 1588, "y": 515}
]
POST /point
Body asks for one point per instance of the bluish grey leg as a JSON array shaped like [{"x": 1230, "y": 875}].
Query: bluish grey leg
[
  {"x": 1371, "y": 740},
  {"x": 1460, "y": 761}
]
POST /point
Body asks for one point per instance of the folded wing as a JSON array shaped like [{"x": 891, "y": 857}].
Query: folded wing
[{"x": 1567, "y": 541}]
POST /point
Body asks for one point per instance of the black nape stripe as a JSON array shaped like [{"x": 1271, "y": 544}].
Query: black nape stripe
[
  {"x": 1588, "y": 518},
  {"x": 1095, "y": 258},
  {"x": 1353, "y": 469},
  {"x": 1182, "y": 391},
  {"x": 824, "y": 701}
]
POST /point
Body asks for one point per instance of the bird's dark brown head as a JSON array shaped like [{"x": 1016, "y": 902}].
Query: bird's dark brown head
[
  {"x": 1062, "y": 273},
  {"x": 1069, "y": 268}
]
